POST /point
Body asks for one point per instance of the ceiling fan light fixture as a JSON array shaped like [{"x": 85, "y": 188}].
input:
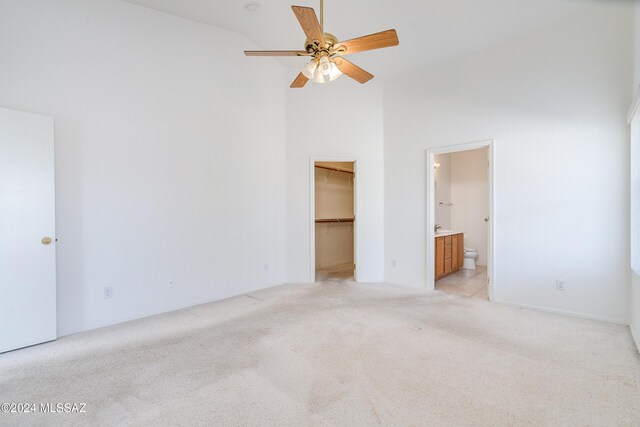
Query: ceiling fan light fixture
[
  {"x": 324, "y": 66},
  {"x": 309, "y": 70},
  {"x": 323, "y": 71},
  {"x": 335, "y": 72},
  {"x": 318, "y": 77}
]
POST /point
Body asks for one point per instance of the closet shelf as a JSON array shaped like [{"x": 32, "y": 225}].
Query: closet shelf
[
  {"x": 328, "y": 220},
  {"x": 331, "y": 168}
]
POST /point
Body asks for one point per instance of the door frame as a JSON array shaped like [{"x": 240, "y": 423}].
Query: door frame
[
  {"x": 431, "y": 209},
  {"x": 312, "y": 212}
]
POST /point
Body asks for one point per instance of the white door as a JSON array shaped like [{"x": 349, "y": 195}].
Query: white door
[{"x": 27, "y": 230}]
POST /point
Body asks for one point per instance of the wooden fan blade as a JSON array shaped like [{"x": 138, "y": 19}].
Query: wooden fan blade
[
  {"x": 299, "y": 82},
  {"x": 309, "y": 23},
  {"x": 352, "y": 70},
  {"x": 275, "y": 52},
  {"x": 372, "y": 41}
]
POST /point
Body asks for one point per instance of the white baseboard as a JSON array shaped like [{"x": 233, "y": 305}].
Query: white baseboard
[
  {"x": 160, "y": 311},
  {"x": 636, "y": 338},
  {"x": 566, "y": 313}
]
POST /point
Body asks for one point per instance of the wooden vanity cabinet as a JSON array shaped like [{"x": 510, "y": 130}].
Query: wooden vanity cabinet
[
  {"x": 439, "y": 257},
  {"x": 449, "y": 255}
]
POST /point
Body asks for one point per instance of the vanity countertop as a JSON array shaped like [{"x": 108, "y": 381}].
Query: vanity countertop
[{"x": 444, "y": 233}]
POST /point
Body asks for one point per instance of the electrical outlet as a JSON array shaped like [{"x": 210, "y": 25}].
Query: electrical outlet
[
  {"x": 107, "y": 292},
  {"x": 171, "y": 283},
  {"x": 394, "y": 264},
  {"x": 560, "y": 285}
]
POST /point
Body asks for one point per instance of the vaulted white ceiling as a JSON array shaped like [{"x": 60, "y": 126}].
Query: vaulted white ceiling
[{"x": 430, "y": 31}]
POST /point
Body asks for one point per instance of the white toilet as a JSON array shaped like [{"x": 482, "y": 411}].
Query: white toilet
[{"x": 470, "y": 256}]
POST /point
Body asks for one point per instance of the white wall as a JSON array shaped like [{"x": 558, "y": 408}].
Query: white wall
[
  {"x": 636, "y": 45},
  {"x": 171, "y": 166},
  {"x": 635, "y": 229},
  {"x": 169, "y": 154},
  {"x": 334, "y": 199},
  {"x": 470, "y": 198},
  {"x": 340, "y": 121},
  {"x": 635, "y": 190},
  {"x": 555, "y": 100}
]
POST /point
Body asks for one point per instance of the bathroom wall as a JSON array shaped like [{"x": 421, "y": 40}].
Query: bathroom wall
[
  {"x": 462, "y": 187},
  {"x": 443, "y": 190},
  {"x": 470, "y": 198},
  {"x": 334, "y": 199}
]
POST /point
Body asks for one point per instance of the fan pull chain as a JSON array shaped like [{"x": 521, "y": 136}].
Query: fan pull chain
[{"x": 322, "y": 16}]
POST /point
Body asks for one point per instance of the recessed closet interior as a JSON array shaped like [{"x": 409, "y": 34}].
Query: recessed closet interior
[{"x": 335, "y": 220}]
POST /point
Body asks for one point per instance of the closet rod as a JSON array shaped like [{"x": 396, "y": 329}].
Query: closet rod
[
  {"x": 331, "y": 168},
  {"x": 321, "y": 221}
]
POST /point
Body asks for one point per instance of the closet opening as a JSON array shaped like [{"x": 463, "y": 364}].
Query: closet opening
[{"x": 335, "y": 220}]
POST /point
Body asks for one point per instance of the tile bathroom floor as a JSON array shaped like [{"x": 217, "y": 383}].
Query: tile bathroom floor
[{"x": 467, "y": 283}]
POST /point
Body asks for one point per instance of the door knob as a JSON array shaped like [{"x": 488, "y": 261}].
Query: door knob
[{"x": 46, "y": 240}]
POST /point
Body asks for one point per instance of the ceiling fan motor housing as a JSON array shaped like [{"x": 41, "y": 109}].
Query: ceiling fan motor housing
[{"x": 314, "y": 46}]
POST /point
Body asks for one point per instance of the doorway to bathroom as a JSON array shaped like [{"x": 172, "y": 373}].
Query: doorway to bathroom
[
  {"x": 334, "y": 220},
  {"x": 459, "y": 219}
]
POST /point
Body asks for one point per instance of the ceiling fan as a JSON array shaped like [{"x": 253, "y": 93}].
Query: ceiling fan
[{"x": 326, "y": 52}]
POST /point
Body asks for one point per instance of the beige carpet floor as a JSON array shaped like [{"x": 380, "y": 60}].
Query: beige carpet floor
[{"x": 335, "y": 353}]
